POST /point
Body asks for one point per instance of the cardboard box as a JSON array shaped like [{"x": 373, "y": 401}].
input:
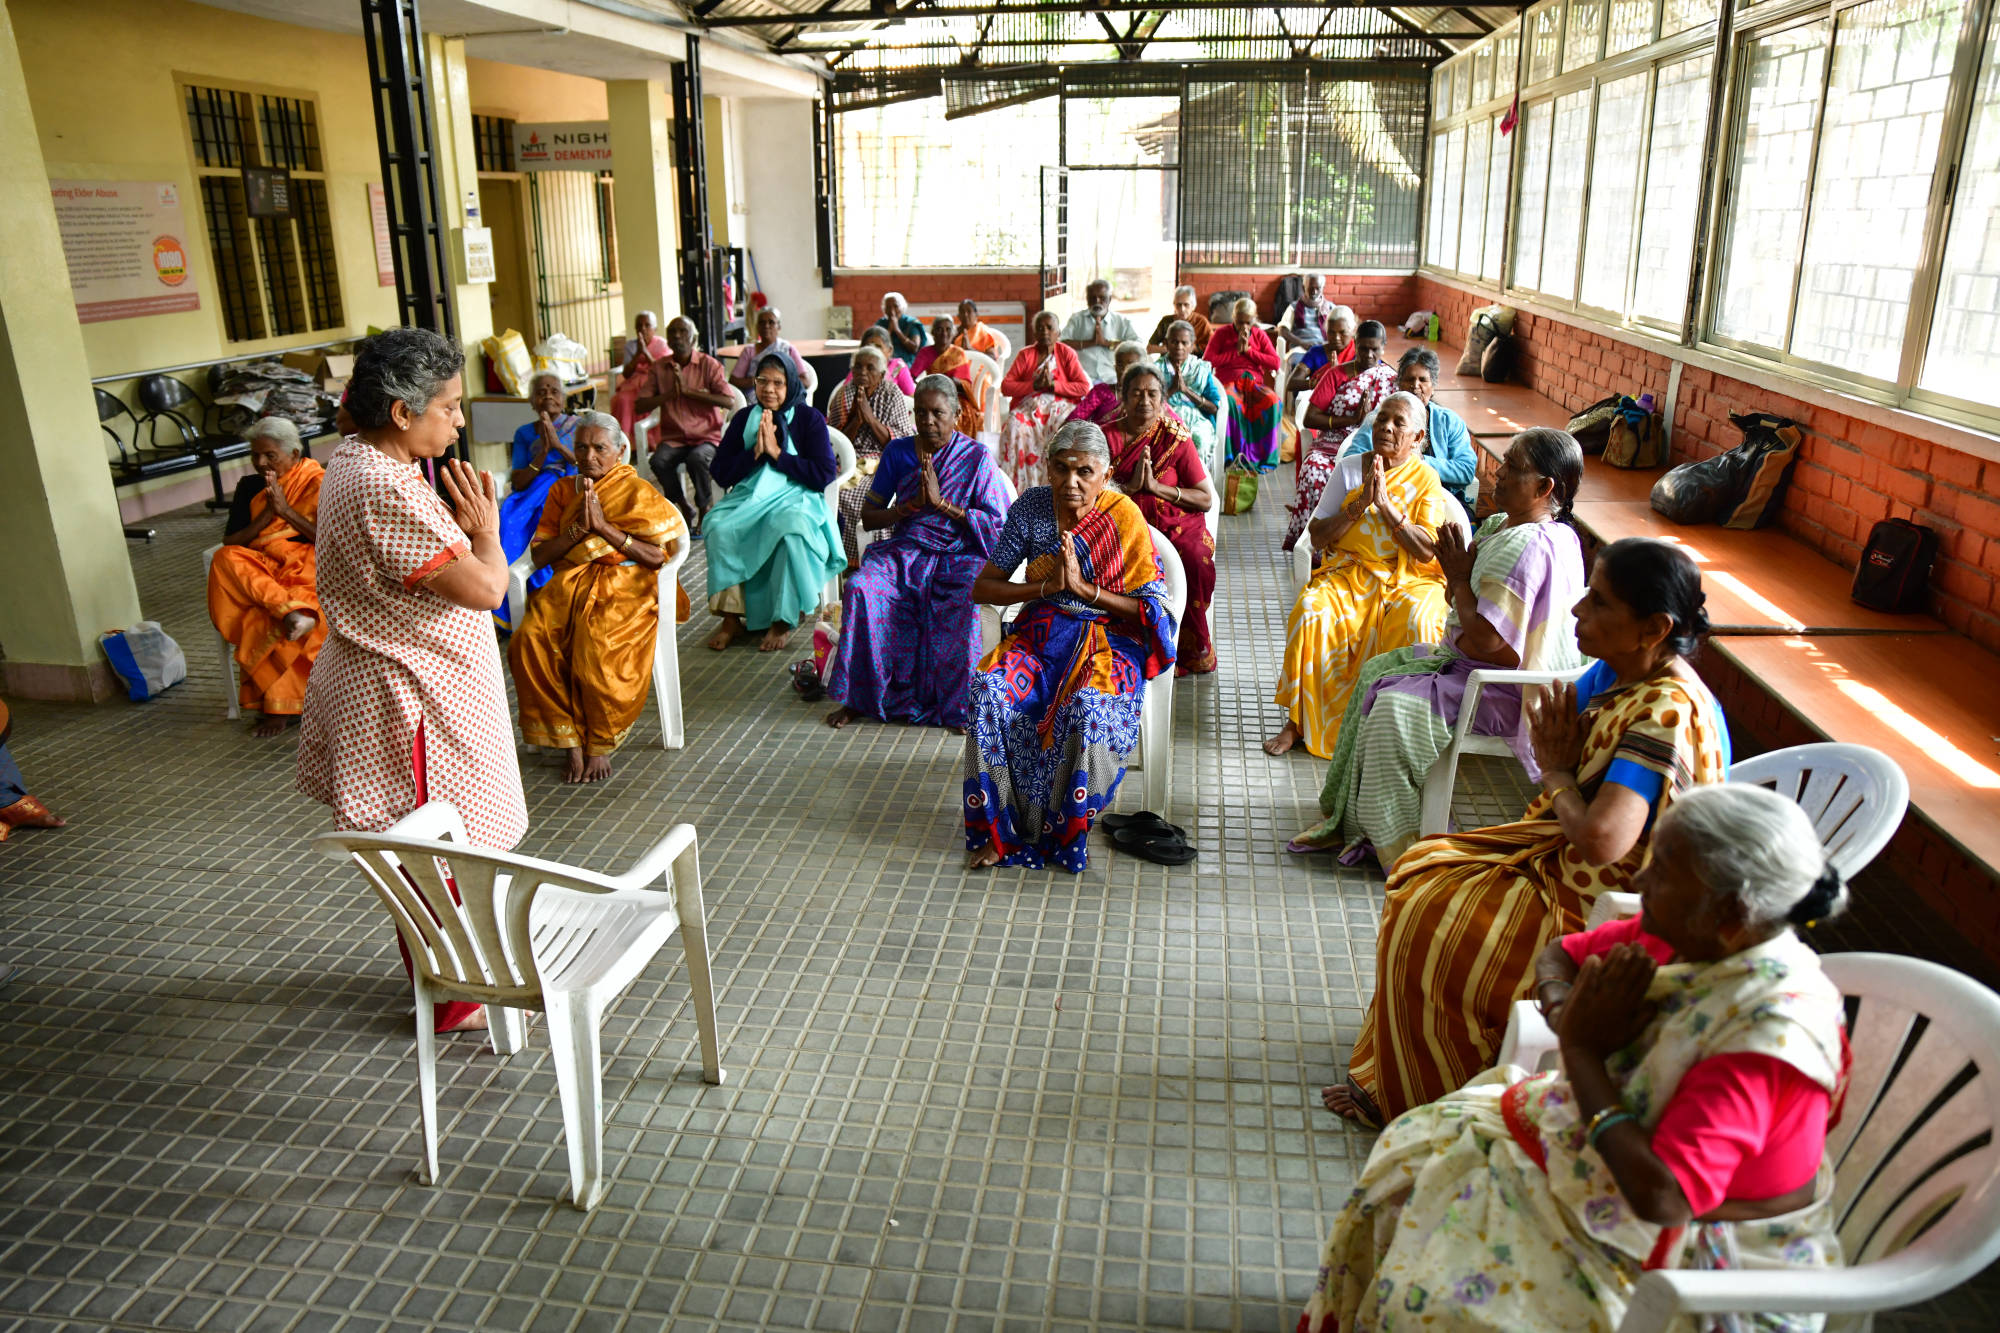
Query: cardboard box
[{"x": 322, "y": 366}]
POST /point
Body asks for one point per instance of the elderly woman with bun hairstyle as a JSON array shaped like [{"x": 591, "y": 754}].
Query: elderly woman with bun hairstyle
[
  {"x": 1466, "y": 914},
  {"x": 1703, "y": 1054}
]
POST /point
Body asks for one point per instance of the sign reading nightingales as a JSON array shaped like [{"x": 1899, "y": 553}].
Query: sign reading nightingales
[{"x": 576, "y": 145}]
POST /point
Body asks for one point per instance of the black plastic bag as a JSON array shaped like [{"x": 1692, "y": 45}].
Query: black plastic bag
[{"x": 1739, "y": 489}]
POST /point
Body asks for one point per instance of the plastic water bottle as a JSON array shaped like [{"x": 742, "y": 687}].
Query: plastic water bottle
[
  {"x": 1431, "y": 332},
  {"x": 1646, "y": 403}
]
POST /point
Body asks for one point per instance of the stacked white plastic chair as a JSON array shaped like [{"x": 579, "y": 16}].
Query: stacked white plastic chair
[{"x": 518, "y": 934}]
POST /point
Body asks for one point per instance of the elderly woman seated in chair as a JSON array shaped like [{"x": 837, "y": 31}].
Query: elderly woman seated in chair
[
  {"x": 870, "y": 412},
  {"x": 1055, "y": 706},
  {"x": 1380, "y": 586},
  {"x": 909, "y": 634},
  {"x": 583, "y": 654},
  {"x": 773, "y": 541},
  {"x": 1704, "y": 1054},
  {"x": 262, "y": 592}
]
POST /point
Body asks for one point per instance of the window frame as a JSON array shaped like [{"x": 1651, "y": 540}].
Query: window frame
[
  {"x": 1975, "y": 26},
  {"x": 184, "y": 83}
]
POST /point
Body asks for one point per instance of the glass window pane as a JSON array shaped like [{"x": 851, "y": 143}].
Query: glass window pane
[
  {"x": 1496, "y": 202},
  {"x": 1506, "y": 62},
  {"x": 1461, "y": 86},
  {"x": 1454, "y": 171},
  {"x": 1434, "y": 202},
  {"x": 1668, "y": 220},
  {"x": 1482, "y": 74},
  {"x": 1585, "y": 41},
  {"x": 1878, "y": 148},
  {"x": 1441, "y": 93},
  {"x": 1681, "y": 15},
  {"x": 1545, "y": 44},
  {"x": 1772, "y": 167},
  {"x": 1614, "y": 179},
  {"x": 1631, "y": 26},
  {"x": 1472, "y": 216},
  {"x": 1568, "y": 167},
  {"x": 1537, "y": 122},
  {"x": 1963, "y": 359}
]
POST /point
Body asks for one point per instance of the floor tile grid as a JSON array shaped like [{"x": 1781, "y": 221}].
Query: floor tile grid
[{"x": 1097, "y": 1081}]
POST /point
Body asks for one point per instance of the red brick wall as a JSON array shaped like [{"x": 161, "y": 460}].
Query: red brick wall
[
  {"x": 1389, "y": 297},
  {"x": 1849, "y": 474},
  {"x": 1962, "y": 891},
  {"x": 863, "y": 292}
]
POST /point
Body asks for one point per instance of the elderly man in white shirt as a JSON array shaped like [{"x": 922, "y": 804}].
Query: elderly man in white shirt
[
  {"x": 1095, "y": 332},
  {"x": 1304, "y": 323}
]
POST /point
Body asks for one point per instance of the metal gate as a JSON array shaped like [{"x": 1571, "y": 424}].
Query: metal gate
[{"x": 577, "y": 292}]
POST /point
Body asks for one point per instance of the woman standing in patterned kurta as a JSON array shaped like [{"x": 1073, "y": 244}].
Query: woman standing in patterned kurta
[{"x": 406, "y": 703}]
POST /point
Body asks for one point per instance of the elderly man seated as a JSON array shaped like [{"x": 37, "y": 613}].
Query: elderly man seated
[
  {"x": 261, "y": 584},
  {"x": 1095, "y": 331},
  {"x": 583, "y": 655},
  {"x": 905, "y": 332},
  {"x": 692, "y": 394},
  {"x": 1304, "y": 322},
  {"x": 909, "y": 634}
]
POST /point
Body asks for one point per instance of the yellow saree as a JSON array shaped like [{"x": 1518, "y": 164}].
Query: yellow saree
[
  {"x": 583, "y": 656},
  {"x": 1368, "y": 596},
  {"x": 1466, "y": 914},
  {"x": 252, "y": 588}
]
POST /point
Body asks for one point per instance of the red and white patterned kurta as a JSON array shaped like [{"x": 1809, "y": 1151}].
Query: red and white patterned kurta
[{"x": 398, "y": 656}]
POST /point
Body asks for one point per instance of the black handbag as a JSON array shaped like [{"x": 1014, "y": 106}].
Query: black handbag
[{"x": 1895, "y": 569}]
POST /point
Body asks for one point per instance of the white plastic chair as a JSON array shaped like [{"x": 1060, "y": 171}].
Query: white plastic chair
[
  {"x": 1435, "y": 816},
  {"x": 986, "y": 380},
  {"x": 843, "y": 455},
  {"x": 1856, "y": 798},
  {"x": 1155, "y": 757},
  {"x": 229, "y": 688},
  {"x": 525, "y": 934},
  {"x": 1915, "y": 1218}
]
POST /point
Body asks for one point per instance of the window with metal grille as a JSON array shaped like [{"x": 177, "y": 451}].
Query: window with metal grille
[
  {"x": 276, "y": 277},
  {"x": 493, "y": 143},
  {"x": 1292, "y": 173}
]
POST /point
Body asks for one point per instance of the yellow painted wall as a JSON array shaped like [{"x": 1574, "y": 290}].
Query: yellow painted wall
[
  {"x": 102, "y": 83},
  {"x": 521, "y": 93}
]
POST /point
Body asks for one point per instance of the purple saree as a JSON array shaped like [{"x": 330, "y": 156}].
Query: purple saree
[{"x": 909, "y": 636}]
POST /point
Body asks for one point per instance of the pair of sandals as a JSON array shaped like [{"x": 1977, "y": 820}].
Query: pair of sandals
[{"x": 1149, "y": 837}]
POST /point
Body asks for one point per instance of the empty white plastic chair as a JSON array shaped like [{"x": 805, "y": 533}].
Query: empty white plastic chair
[
  {"x": 229, "y": 690},
  {"x": 1916, "y": 1218},
  {"x": 515, "y": 933}
]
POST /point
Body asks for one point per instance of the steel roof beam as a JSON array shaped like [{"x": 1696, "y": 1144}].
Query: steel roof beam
[{"x": 920, "y": 9}]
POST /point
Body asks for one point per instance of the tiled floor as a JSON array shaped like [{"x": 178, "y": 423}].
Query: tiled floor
[{"x": 1012, "y": 1099}]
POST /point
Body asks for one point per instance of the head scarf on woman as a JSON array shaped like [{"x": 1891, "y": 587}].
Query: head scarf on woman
[{"x": 795, "y": 394}]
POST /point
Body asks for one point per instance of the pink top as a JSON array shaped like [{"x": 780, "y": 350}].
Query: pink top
[
  {"x": 399, "y": 657},
  {"x": 683, "y": 420},
  {"x": 1739, "y": 1126},
  {"x": 1232, "y": 358}
]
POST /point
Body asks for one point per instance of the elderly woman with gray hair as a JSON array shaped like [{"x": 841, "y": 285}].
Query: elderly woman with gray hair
[
  {"x": 1055, "y": 706},
  {"x": 544, "y": 453},
  {"x": 1703, "y": 1052},
  {"x": 870, "y": 412},
  {"x": 261, "y": 592},
  {"x": 583, "y": 655},
  {"x": 406, "y": 703}
]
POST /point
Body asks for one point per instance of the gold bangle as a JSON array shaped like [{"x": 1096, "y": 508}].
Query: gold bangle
[{"x": 1559, "y": 791}]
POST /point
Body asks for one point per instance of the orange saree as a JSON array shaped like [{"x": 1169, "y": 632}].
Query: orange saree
[
  {"x": 252, "y": 588},
  {"x": 972, "y": 399},
  {"x": 583, "y": 656}
]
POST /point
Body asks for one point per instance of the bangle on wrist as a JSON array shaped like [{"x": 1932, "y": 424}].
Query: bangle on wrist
[
  {"x": 1567, "y": 786},
  {"x": 1604, "y": 1120}
]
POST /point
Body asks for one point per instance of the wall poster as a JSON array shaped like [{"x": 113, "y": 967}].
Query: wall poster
[{"x": 126, "y": 248}]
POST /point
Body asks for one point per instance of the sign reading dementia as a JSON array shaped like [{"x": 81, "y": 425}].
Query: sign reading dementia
[
  {"x": 126, "y": 248},
  {"x": 577, "y": 145}
]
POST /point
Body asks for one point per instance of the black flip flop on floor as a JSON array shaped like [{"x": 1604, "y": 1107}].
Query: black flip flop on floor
[
  {"x": 1153, "y": 844},
  {"x": 1144, "y": 820}
]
